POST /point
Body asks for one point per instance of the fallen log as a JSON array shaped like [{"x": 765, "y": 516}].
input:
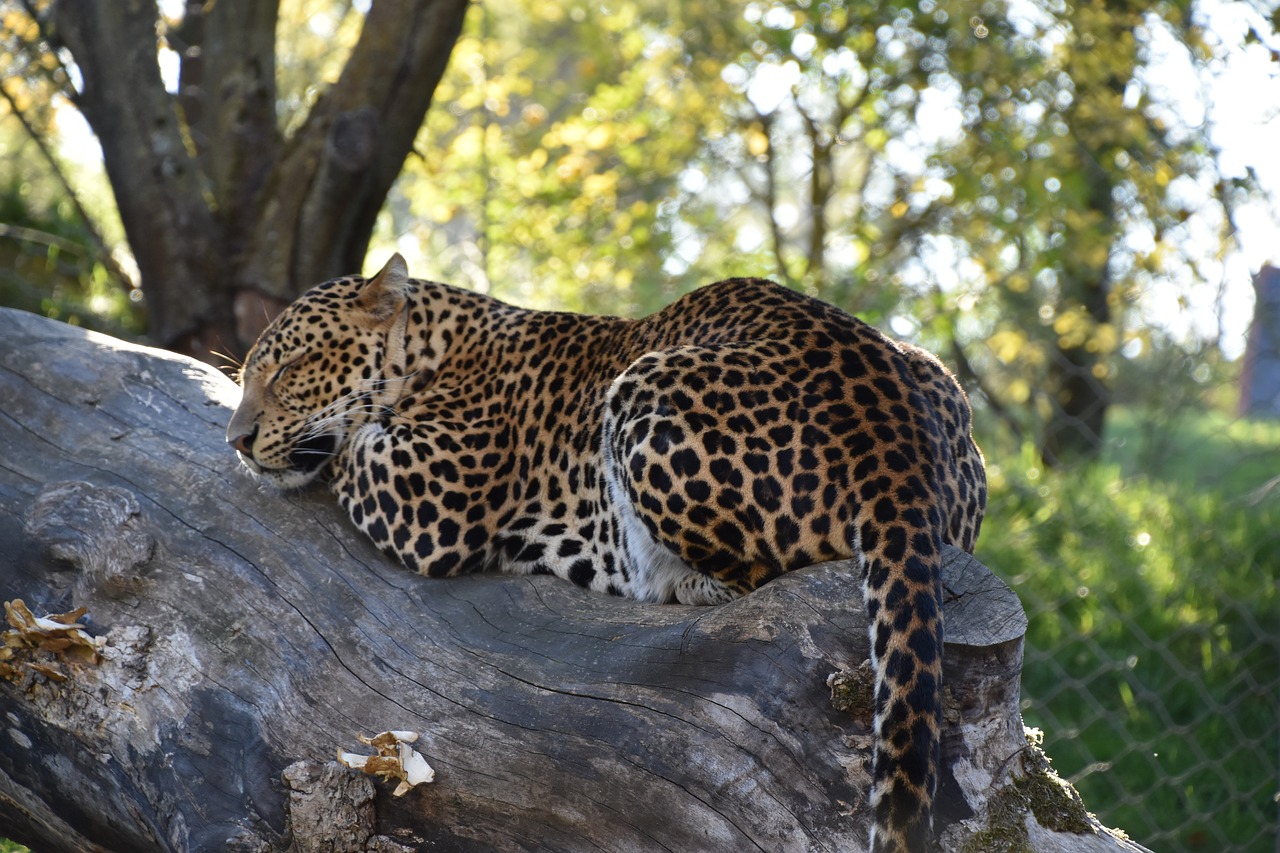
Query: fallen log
[{"x": 234, "y": 642}]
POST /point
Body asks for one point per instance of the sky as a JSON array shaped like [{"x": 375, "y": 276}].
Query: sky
[{"x": 1242, "y": 105}]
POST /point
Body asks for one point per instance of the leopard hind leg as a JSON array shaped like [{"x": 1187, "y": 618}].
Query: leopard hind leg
[{"x": 708, "y": 494}]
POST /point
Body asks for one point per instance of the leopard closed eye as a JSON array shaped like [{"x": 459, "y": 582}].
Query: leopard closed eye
[{"x": 743, "y": 431}]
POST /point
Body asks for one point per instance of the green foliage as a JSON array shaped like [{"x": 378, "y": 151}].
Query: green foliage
[
  {"x": 1062, "y": 195},
  {"x": 314, "y": 40},
  {"x": 1009, "y": 179},
  {"x": 1152, "y": 661},
  {"x": 1240, "y": 467},
  {"x": 52, "y": 259},
  {"x": 49, "y": 263},
  {"x": 545, "y": 173}
]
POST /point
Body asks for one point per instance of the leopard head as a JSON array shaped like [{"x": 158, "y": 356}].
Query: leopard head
[{"x": 330, "y": 362}]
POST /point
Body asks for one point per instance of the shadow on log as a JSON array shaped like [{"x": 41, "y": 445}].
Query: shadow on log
[{"x": 243, "y": 639}]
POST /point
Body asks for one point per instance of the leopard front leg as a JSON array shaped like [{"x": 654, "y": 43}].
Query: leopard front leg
[
  {"x": 418, "y": 493},
  {"x": 442, "y": 498}
]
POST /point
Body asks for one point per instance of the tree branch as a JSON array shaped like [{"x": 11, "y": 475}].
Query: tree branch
[
  {"x": 96, "y": 241},
  {"x": 819, "y": 195},
  {"x": 228, "y": 94},
  {"x": 770, "y": 201},
  {"x": 341, "y": 163}
]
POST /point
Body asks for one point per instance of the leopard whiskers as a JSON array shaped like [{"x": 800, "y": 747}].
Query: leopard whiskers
[{"x": 348, "y": 410}]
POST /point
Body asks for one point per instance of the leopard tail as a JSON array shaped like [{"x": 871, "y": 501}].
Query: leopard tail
[{"x": 902, "y": 590}]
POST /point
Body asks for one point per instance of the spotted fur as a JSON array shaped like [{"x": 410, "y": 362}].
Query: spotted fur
[{"x": 691, "y": 456}]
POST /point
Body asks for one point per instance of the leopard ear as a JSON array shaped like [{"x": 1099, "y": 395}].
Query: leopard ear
[{"x": 385, "y": 293}]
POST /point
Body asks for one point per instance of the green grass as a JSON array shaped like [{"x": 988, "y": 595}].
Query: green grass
[
  {"x": 1153, "y": 658},
  {"x": 1207, "y": 449}
]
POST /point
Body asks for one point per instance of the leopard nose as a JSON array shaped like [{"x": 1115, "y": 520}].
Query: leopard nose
[{"x": 244, "y": 442}]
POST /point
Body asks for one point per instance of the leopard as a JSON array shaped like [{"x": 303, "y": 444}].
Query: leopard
[{"x": 690, "y": 456}]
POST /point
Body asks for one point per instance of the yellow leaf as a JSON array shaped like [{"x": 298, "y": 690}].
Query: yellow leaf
[
  {"x": 571, "y": 134},
  {"x": 469, "y": 142},
  {"x": 600, "y": 185},
  {"x": 571, "y": 167},
  {"x": 859, "y": 252},
  {"x": 1018, "y": 391},
  {"x": 599, "y": 137},
  {"x": 1007, "y": 346}
]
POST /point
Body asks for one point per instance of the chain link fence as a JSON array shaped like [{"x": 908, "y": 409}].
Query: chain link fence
[
  {"x": 1196, "y": 774},
  {"x": 1150, "y": 577}
]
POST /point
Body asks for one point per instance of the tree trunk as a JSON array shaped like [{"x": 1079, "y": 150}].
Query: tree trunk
[
  {"x": 227, "y": 219},
  {"x": 1079, "y": 390},
  {"x": 236, "y": 640}
]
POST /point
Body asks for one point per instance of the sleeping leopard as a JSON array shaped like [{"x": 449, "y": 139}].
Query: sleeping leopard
[{"x": 744, "y": 431}]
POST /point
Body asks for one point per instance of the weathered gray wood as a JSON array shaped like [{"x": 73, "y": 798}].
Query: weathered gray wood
[{"x": 246, "y": 633}]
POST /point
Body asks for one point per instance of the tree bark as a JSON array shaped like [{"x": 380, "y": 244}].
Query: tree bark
[
  {"x": 229, "y": 220},
  {"x": 243, "y": 638},
  {"x": 1077, "y": 384}
]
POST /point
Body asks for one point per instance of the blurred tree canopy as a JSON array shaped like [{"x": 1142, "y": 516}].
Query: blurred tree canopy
[{"x": 1009, "y": 183}]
